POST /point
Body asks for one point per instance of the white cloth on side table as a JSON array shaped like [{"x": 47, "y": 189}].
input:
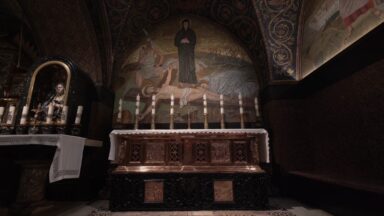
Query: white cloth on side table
[
  {"x": 68, "y": 156},
  {"x": 67, "y": 160}
]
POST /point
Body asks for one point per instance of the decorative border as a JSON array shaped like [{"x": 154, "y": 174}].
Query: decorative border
[{"x": 280, "y": 29}]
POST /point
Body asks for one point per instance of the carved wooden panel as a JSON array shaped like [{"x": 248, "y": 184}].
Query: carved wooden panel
[
  {"x": 201, "y": 152},
  {"x": 154, "y": 191},
  {"x": 154, "y": 152},
  {"x": 240, "y": 151},
  {"x": 174, "y": 152},
  {"x": 135, "y": 152},
  {"x": 220, "y": 151},
  {"x": 122, "y": 152},
  {"x": 223, "y": 191}
]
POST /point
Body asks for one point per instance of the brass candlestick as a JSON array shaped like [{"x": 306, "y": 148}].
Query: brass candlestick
[
  {"x": 205, "y": 121},
  {"x": 171, "y": 126},
  {"x": 153, "y": 122},
  {"x": 137, "y": 121},
  {"x": 222, "y": 121}
]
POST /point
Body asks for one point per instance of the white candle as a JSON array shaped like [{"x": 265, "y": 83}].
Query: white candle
[
  {"x": 257, "y": 112},
  {"x": 64, "y": 114},
  {"x": 78, "y": 114},
  {"x": 256, "y": 101},
  {"x": 171, "y": 112},
  {"x": 240, "y": 102},
  {"x": 241, "y": 110},
  {"x": 25, "y": 110},
  {"x": 137, "y": 103},
  {"x": 205, "y": 110},
  {"x": 205, "y": 97},
  {"x": 138, "y": 97},
  {"x": 153, "y": 103},
  {"x": 11, "y": 113},
  {"x": 1, "y": 111},
  {"x": 222, "y": 110},
  {"x": 153, "y": 97},
  {"x": 50, "y": 109},
  {"x": 50, "y": 113},
  {"x": 205, "y": 103},
  {"x": 172, "y": 97},
  {"x": 137, "y": 111},
  {"x": 24, "y": 115},
  {"x": 153, "y": 111}
]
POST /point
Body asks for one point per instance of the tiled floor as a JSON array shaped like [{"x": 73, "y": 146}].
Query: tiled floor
[{"x": 284, "y": 207}]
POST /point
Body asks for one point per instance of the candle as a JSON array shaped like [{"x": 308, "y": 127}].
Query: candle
[
  {"x": 172, "y": 97},
  {"x": 137, "y": 111},
  {"x": 64, "y": 114},
  {"x": 241, "y": 110},
  {"x": 256, "y": 101},
  {"x": 50, "y": 109},
  {"x": 153, "y": 97},
  {"x": 221, "y": 97},
  {"x": 239, "y": 96},
  {"x": 11, "y": 113},
  {"x": 50, "y": 113},
  {"x": 171, "y": 112},
  {"x": 205, "y": 97},
  {"x": 78, "y": 114},
  {"x": 25, "y": 110},
  {"x": 138, "y": 97},
  {"x": 120, "y": 102},
  {"x": 205, "y": 103},
  {"x": 137, "y": 103},
  {"x": 153, "y": 103},
  {"x": 222, "y": 110},
  {"x": 153, "y": 111},
  {"x": 205, "y": 110},
  {"x": 1, "y": 113},
  {"x": 24, "y": 115},
  {"x": 240, "y": 102}
]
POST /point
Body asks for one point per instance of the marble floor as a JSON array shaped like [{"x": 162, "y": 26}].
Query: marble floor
[{"x": 283, "y": 207}]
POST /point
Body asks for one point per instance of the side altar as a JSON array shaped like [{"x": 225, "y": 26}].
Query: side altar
[{"x": 189, "y": 169}]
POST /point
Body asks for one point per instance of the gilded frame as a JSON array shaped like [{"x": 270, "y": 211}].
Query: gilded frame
[{"x": 39, "y": 68}]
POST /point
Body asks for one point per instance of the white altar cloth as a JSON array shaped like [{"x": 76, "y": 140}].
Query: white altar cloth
[
  {"x": 68, "y": 156},
  {"x": 263, "y": 148}
]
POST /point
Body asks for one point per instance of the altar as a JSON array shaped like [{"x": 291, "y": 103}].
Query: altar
[{"x": 189, "y": 169}]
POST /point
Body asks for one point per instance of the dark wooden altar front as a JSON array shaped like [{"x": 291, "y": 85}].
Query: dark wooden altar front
[{"x": 188, "y": 170}]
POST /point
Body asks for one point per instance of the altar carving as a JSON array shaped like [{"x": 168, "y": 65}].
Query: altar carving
[
  {"x": 223, "y": 190},
  {"x": 215, "y": 163}
]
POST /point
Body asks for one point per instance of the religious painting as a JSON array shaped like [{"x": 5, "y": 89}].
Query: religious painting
[
  {"x": 332, "y": 25},
  {"x": 186, "y": 58}
]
